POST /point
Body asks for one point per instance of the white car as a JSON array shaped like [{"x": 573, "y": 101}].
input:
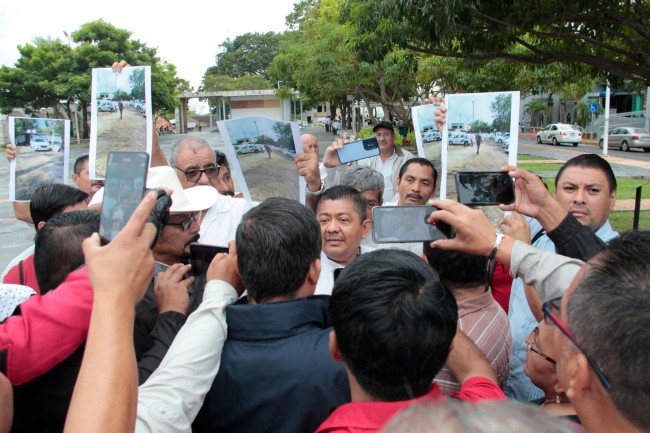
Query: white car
[
  {"x": 557, "y": 133},
  {"x": 248, "y": 148},
  {"x": 40, "y": 144},
  {"x": 105, "y": 105}
]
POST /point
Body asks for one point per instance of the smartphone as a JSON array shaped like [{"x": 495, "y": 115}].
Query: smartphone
[
  {"x": 406, "y": 224},
  {"x": 359, "y": 149},
  {"x": 484, "y": 188},
  {"x": 126, "y": 177},
  {"x": 201, "y": 256}
]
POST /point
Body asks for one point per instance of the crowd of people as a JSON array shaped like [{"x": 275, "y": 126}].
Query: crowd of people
[{"x": 307, "y": 325}]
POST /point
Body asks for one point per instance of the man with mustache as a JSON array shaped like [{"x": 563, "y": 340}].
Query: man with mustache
[
  {"x": 344, "y": 223},
  {"x": 585, "y": 187},
  {"x": 415, "y": 185}
]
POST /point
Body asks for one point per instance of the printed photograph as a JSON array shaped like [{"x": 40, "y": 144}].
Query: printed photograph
[
  {"x": 42, "y": 147},
  {"x": 428, "y": 138},
  {"x": 261, "y": 151},
  {"x": 120, "y": 114},
  {"x": 481, "y": 134}
]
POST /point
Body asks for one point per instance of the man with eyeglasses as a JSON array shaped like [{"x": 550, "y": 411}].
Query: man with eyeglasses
[
  {"x": 195, "y": 163},
  {"x": 601, "y": 322}
]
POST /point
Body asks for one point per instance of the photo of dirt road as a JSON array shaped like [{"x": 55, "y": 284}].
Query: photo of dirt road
[
  {"x": 34, "y": 169},
  {"x": 270, "y": 177},
  {"x": 114, "y": 134}
]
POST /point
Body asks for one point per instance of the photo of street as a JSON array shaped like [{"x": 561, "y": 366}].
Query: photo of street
[
  {"x": 42, "y": 153},
  {"x": 121, "y": 119},
  {"x": 261, "y": 151}
]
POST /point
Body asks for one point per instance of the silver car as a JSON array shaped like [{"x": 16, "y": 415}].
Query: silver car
[{"x": 627, "y": 138}]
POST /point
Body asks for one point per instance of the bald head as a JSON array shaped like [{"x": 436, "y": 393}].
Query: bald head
[{"x": 309, "y": 143}]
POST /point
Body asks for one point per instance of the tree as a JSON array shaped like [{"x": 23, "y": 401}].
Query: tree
[
  {"x": 537, "y": 108},
  {"x": 51, "y": 74},
  {"x": 247, "y": 54},
  {"x": 501, "y": 109},
  {"x": 609, "y": 36},
  {"x": 217, "y": 83}
]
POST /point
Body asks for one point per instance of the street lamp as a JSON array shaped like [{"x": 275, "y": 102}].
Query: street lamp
[{"x": 68, "y": 37}]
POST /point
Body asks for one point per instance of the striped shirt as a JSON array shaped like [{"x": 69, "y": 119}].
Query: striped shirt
[{"x": 483, "y": 320}]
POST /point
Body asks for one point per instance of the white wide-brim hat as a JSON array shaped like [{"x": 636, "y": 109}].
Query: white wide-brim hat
[{"x": 192, "y": 199}]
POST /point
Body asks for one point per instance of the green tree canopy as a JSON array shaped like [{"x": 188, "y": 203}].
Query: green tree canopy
[
  {"x": 247, "y": 54},
  {"x": 609, "y": 36}
]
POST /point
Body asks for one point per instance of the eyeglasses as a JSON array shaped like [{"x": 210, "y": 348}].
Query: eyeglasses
[
  {"x": 551, "y": 311},
  {"x": 187, "y": 222},
  {"x": 194, "y": 174},
  {"x": 529, "y": 346}
]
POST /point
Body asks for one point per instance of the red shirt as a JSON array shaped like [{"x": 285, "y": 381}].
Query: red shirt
[
  {"x": 501, "y": 285},
  {"x": 367, "y": 417},
  {"x": 29, "y": 275},
  {"x": 47, "y": 330}
]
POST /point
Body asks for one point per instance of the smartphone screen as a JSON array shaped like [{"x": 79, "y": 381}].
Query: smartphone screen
[
  {"x": 406, "y": 224},
  {"x": 126, "y": 177},
  {"x": 359, "y": 149},
  {"x": 201, "y": 256},
  {"x": 484, "y": 188}
]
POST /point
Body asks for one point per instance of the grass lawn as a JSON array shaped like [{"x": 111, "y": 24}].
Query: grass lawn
[
  {"x": 537, "y": 167},
  {"x": 527, "y": 157},
  {"x": 622, "y": 221}
]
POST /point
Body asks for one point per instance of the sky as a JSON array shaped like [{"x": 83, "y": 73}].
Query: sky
[{"x": 186, "y": 34}]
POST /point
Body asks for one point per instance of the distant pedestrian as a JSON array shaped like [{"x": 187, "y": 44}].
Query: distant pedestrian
[
  {"x": 120, "y": 106},
  {"x": 268, "y": 150},
  {"x": 478, "y": 138}
]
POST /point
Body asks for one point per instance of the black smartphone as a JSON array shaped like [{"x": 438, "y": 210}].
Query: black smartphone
[
  {"x": 484, "y": 188},
  {"x": 359, "y": 149},
  {"x": 406, "y": 224},
  {"x": 126, "y": 177},
  {"x": 201, "y": 256}
]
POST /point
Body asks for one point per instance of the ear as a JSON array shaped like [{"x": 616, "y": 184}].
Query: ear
[
  {"x": 314, "y": 272},
  {"x": 366, "y": 225},
  {"x": 75, "y": 179},
  {"x": 612, "y": 200},
  {"x": 580, "y": 376},
  {"x": 40, "y": 225},
  {"x": 334, "y": 348}
]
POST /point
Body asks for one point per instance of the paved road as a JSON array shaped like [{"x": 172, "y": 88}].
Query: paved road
[{"x": 17, "y": 235}]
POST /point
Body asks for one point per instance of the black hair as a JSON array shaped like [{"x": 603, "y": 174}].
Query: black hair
[
  {"x": 456, "y": 269},
  {"x": 277, "y": 242},
  {"x": 222, "y": 160},
  {"x": 50, "y": 199},
  {"x": 344, "y": 192},
  {"x": 394, "y": 322},
  {"x": 58, "y": 246},
  {"x": 79, "y": 164}
]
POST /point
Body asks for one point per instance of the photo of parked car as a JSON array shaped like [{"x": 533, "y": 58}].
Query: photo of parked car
[
  {"x": 460, "y": 138},
  {"x": 248, "y": 148},
  {"x": 40, "y": 144},
  {"x": 105, "y": 105},
  {"x": 431, "y": 136},
  {"x": 628, "y": 138}
]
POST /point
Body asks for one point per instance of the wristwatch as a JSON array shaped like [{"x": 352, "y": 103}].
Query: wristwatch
[
  {"x": 320, "y": 190},
  {"x": 497, "y": 242}
]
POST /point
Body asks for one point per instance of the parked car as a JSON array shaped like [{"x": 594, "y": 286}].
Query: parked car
[
  {"x": 627, "y": 138},
  {"x": 502, "y": 138},
  {"x": 431, "y": 136},
  {"x": 40, "y": 144},
  {"x": 460, "y": 138},
  {"x": 557, "y": 133},
  {"x": 248, "y": 148},
  {"x": 105, "y": 105}
]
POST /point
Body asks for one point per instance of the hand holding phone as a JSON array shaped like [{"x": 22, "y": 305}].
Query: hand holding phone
[
  {"x": 484, "y": 188},
  {"x": 359, "y": 149},
  {"x": 201, "y": 256},
  {"x": 406, "y": 224}
]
